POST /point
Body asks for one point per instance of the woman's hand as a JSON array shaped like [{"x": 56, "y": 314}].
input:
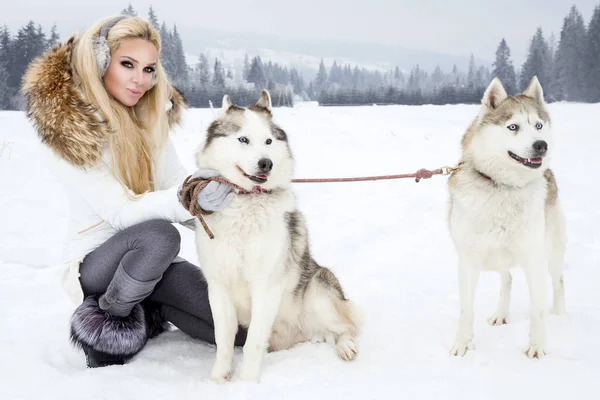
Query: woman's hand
[{"x": 215, "y": 196}]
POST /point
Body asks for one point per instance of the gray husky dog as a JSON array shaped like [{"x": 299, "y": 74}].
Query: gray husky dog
[
  {"x": 505, "y": 211},
  {"x": 259, "y": 268}
]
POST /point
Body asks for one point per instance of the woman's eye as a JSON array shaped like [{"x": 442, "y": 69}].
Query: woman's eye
[
  {"x": 127, "y": 64},
  {"x": 269, "y": 141},
  {"x": 149, "y": 70},
  {"x": 513, "y": 127},
  {"x": 243, "y": 139}
]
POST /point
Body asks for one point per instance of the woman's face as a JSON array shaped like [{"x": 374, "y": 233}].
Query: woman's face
[{"x": 129, "y": 74}]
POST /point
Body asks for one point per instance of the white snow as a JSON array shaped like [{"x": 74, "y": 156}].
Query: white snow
[{"x": 387, "y": 241}]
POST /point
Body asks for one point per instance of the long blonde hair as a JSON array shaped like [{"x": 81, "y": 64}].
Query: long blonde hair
[{"x": 138, "y": 131}]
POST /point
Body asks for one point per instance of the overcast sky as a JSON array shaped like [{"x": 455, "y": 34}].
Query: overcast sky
[{"x": 458, "y": 27}]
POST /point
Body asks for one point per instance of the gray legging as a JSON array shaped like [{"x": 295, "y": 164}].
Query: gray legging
[{"x": 136, "y": 264}]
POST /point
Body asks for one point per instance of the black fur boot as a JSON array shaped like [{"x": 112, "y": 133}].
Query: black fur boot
[
  {"x": 107, "y": 339},
  {"x": 155, "y": 323}
]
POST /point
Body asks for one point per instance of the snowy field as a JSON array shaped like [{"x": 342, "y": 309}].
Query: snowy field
[{"x": 387, "y": 241}]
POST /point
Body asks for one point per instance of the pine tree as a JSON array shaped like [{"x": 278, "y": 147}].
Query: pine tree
[
  {"x": 297, "y": 82},
  {"x": 4, "y": 38},
  {"x": 414, "y": 81},
  {"x": 569, "y": 64},
  {"x": 552, "y": 45},
  {"x": 5, "y": 45},
  {"x": 335, "y": 74},
  {"x": 6, "y": 62},
  {"x": 167, "y": 51},
  {"x": 285, "y": 76},
  {"x": 398, "y": 80},
  {"x": 536, "y": 63},
  {"x": 504, "y": 69},
  {"x": 482, "y": 78},
  {"x": 246, "y": 70},
  {"x": 456, "y": 82},
  {"x": 357, "y": 78},
  {"x": 179, "y": 64},
  {"x": 203, "y": 70},
  {"x": 54, "y": 37},
  {"x": 256, "y": 74},
  {"x": 29, "y": 44},
  {"x": 553, "y": 88},
  {"x": 472, "y": 74},
  {"x": 129, "y": 11},
  {"x": 5, "y": 91},
  {"x": 218, "y": 75},
  {"x": 153, "y": 19},
  {"x": 321, "y": 79},
  {"x": 437, "y": 78},
  {"x": 268, "y": 70},
  {"x": 592, "y": 61},
  {"x": 349, "y": 82}
]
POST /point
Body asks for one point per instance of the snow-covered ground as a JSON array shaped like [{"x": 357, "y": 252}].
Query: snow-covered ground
[{"x": 387, "y": 241}]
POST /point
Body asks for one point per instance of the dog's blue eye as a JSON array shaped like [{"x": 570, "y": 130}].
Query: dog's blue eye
[
  {"x": 513, "y": 127},
  {"x": 269, "y": 141},
  {"x": 538, "y": 126},
  {"x": 243, "y": 139}
]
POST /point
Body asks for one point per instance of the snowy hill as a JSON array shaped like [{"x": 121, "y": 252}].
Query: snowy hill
[{"x": 305, "y": 55}]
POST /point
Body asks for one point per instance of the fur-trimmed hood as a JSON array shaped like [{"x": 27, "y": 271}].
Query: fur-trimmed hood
[{"x": 64, "y": 120}]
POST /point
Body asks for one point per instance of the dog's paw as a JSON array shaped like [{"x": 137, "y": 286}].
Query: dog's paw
[
  {"x": 559, "y": 308},
  {"x": 347, "y": 349},
  {"x": 460, "y": 349},
  {"x": 498, "y": 318},
  {"x": 220, "y": 378},
  {"x": 536, "y": 351},
  {"x": 220, "y": 373}
]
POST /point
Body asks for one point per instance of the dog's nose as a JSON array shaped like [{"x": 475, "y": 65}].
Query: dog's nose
[
  {"x": 540, "y": 147},
  {"x": 265, "y": 165}
]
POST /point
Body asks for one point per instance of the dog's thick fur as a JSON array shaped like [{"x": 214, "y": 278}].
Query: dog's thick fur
[
  {"x": 505, "y": 212},
  {"x": 259, "y": 268}
]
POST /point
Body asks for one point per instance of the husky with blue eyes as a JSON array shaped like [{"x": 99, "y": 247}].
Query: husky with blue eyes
[
  {"x": 259, "y": 268},
  {"x": 504, "y": 210}
]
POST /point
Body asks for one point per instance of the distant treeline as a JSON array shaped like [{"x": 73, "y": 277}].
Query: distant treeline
[{"x": 568, "y": 71}]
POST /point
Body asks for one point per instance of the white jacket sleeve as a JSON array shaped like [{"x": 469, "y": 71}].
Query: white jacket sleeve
[
  {"x": 172, "y": 172},
  {"x": 108, "y": 198}
]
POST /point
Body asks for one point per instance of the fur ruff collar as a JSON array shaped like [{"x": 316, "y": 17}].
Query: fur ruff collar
[{"x": 64, "y": 121}]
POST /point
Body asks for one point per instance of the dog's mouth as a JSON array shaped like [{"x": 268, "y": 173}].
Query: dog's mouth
[
  {"x": 254, "y": 178},
  {"x": 528, "y": 162}
]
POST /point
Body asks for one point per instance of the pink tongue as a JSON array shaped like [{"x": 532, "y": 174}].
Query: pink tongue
[{"x": 537, "y": 160}]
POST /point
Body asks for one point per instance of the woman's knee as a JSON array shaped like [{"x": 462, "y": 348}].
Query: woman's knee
[{"x": 161, "y": 236}]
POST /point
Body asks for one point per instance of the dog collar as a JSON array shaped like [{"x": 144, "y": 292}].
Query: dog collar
[
  {"x": 255, "y": 190},
  {"x": 485, "y": 176}
]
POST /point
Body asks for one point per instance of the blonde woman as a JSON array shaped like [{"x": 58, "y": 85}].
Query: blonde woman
[{"x": 103, "y": 107}]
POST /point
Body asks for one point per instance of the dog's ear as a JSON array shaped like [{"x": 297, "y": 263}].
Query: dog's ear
[
  {"x": 226, "y": 103},
  {"x": 265, "y": 100},
  {"x": 494, "y": 94},
  {"x": 534, "y": 90}
]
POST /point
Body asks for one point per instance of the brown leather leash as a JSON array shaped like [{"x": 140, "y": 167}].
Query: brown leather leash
[
  {"x": 420, "y": 174},
  {"x": 191, "y": 188}
]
